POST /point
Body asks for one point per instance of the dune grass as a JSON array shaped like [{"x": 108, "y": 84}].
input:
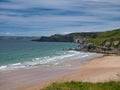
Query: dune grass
[{"x": 84, "y": 86}]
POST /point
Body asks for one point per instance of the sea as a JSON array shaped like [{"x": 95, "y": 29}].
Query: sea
[{"x": 17, "y": 54}]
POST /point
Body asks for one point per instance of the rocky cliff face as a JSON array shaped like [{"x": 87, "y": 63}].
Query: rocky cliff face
[
  {"x": 56, "y": 39},
  {"x": 112, "y": 43}
]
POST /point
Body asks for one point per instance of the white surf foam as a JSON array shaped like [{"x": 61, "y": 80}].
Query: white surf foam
[{"x": 55, "y": 60}]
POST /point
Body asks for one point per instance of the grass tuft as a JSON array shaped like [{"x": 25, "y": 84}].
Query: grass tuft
[{"x": 84, "y": 86}]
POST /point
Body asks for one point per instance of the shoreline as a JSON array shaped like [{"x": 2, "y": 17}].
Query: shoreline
[
  {"x": 57, "y": 60},
  {"x": 36, "y": 78},
  {"x": 95, "y": 71}
]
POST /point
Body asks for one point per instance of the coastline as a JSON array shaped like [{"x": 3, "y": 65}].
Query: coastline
[{"x": 96, "y": 70}]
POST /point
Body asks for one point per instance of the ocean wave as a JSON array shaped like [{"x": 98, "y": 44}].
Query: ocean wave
[{"x": 54, "y": 60}]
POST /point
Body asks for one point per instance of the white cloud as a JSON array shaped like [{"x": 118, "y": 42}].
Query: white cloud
[
  {"x": 7, "y": 33},
  {"x": 67, "y": 15}
]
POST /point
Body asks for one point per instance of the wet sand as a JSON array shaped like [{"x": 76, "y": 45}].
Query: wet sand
[
  {"x": 97, "y": 70},
  {"x": 18, "y": 79}
]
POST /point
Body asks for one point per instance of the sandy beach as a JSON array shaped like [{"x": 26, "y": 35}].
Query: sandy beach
[{"x": 105, "y": 68}]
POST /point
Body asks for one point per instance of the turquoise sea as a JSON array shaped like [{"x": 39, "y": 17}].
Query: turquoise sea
[{"x": 16, "y": 54}]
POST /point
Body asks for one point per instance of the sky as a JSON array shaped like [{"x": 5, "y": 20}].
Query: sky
[{"x": 47, "y": 17}]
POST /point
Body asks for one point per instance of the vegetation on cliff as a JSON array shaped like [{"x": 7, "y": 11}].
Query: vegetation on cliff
[{"x": 102, "y": 37}]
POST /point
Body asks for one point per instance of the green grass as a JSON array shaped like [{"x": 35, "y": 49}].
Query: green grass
[
  {"x": 105, "y": 36},
  {"x": 109, "y": 34},
  {"x": 84, "y": 86},
  {"x": 98, "y": 41}
]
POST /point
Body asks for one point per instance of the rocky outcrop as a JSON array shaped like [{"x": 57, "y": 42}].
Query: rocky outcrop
[
  {"x": 108, "y": 47},
  {"x": 80, "y": 40},
  {"x": 112, "y": 43}
]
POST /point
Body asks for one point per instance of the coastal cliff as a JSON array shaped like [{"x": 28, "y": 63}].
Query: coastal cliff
[
  {"x": 102, "y": 42},
  {"x": 66, "y": 38},
  {"x": 56, "y": 38},
  {"x": 97, "y": 38}
]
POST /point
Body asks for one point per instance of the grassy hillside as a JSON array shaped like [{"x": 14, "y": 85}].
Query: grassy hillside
[
  {"x": 109, "y": 34},
  {"x": 105, "y": 36},
  {"x": 84, "y": 86}
]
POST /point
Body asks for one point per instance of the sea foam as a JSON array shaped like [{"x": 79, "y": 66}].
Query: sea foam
[{"x": 54, "y": 60}]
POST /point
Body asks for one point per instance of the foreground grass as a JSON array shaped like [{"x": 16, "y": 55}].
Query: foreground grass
[{"x": 84, "y": 86}]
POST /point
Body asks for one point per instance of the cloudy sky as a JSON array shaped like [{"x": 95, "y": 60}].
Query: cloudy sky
[{"x": 46, "y": 17}]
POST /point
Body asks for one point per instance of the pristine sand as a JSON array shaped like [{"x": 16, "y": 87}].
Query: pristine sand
[
  {"x": 106, "y": 68},
  {"x": 101, "y": 69}
]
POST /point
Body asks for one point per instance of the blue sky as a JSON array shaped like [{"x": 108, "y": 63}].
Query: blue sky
[{"x": 47, "y": 17}]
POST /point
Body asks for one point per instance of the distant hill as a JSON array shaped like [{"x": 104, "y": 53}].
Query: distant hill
[{"x": 16, "y": 38}]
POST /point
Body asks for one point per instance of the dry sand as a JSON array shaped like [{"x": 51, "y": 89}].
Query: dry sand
[{"x": 101, "y": 69}]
